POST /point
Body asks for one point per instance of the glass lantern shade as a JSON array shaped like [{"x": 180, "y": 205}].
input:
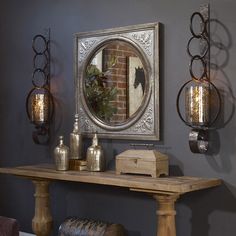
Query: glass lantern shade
[
  {"x": 197, "y": 104},
  {"x": 39, "y": 108}
]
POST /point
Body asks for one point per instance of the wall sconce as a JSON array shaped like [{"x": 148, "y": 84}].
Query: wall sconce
[
  {"x": 200, "y": 111},
  {"x": 39, "y": 102}
]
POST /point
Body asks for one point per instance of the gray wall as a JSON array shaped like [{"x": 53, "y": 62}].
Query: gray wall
[{"x": 211, "y": 212}]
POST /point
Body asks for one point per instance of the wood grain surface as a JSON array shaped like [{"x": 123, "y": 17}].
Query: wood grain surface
[{"x": 173, "y": 184}]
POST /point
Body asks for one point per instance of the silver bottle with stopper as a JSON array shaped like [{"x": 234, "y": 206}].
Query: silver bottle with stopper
[
  {"x": 61, "y": 155},
  {"x": 95, "y": 156},
  {"x": 75, "y": 141}
]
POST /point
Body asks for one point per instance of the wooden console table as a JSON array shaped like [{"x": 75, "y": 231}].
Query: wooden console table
[{"x": 164, "y": 190}]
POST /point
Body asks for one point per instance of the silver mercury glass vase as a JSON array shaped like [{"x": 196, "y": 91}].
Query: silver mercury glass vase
[
  {"x": 61, "y": 155},
  {"x": 95, "y": 156}
]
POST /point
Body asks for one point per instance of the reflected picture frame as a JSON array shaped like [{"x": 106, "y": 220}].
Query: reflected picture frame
[{"x": 136, "y": 84}]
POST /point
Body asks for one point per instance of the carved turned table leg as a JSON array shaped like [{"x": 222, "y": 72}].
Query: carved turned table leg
[
  {"x": 42, "y": 221},
  {"x": 166, "y": 214}
]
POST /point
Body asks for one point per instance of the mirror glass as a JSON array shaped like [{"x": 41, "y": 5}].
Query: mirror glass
[{"x": 115, "y": 83}]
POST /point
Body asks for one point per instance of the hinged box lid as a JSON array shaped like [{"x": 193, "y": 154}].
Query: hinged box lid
[{"x": 145, "y": 155}]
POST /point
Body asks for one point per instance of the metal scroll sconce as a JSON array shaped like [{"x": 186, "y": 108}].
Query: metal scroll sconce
[
  {"x": 39, "y": 102},
  {"x": 201, "y": 108}
]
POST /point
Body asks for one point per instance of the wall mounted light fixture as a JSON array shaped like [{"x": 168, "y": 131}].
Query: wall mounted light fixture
[
  {"x": 39, "y": 102},
  {"x": 201, "y": 110}
]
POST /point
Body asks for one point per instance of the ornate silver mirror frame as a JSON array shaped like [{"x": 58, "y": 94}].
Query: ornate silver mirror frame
[{"x": 144, "y": 124}]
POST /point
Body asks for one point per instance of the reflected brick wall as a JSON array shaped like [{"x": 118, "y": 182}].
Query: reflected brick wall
[{"x": 118, "y": 77}]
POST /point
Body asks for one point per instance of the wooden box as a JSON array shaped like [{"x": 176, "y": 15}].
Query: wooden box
[{"x": 147, "y": 162}]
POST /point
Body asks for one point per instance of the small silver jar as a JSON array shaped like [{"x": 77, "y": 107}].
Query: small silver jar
[{"x": 61, "y": 155}]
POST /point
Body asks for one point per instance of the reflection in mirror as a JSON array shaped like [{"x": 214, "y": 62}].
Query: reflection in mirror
[{"x": 115, "y": 83}]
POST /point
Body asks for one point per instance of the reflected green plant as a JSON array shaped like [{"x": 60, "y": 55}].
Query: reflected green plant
[{"x": 99, "y": 94}]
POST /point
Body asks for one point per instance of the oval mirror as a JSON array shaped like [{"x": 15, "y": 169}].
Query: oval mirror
[{"x": 115, "y": 83}]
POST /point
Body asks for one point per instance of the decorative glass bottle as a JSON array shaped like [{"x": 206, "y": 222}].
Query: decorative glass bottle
[
  {"x": 95, "y": 157},
  {"x": 61, "y": 155},
  {"x": 75, "y": 141}
]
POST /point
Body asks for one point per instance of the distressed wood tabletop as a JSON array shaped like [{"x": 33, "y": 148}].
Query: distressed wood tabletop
[{"x": 180, "y": 184}]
